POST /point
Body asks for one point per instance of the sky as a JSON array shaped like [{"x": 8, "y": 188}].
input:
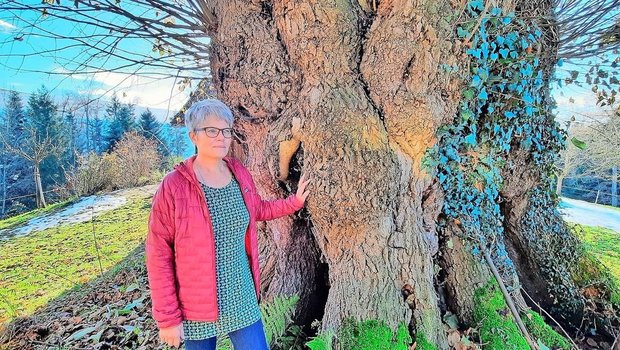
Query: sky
[
  {"x": 158, "y": 93},
  {"x": 29, "y": 63}
]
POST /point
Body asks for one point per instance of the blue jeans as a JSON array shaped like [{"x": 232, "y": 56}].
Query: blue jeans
[{"x": 251, "y": 337}]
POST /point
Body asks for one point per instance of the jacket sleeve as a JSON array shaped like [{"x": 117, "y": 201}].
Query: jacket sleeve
[
  {"x": 272, "y": 209},
  {"x": 160, "y": 264}
]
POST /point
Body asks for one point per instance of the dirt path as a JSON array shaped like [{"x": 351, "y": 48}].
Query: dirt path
[{"x": 590, "y": 214}]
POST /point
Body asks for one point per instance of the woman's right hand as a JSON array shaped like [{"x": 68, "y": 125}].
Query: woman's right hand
[{"x": 172, "y": 335}]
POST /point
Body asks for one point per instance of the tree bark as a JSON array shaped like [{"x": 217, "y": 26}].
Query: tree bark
[
  {"x": 352, "y": 94},
  {"x": 4, "y": 166},
  {"x": 614, "y": 186},
  {"x": 39, "y": 186}
]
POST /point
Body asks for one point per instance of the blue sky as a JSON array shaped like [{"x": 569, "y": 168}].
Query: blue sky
[
  {"x": 149, "y": 91},
  {"x": 24, "y": 63}
]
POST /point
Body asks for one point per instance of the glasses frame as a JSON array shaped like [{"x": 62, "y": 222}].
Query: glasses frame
[{"x": 232, "y": 132}]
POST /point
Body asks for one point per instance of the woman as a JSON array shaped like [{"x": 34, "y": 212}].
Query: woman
[{"x": 202, "y": 246}]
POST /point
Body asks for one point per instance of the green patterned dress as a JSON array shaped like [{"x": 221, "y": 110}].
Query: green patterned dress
[{"x": 236, "y": 296}]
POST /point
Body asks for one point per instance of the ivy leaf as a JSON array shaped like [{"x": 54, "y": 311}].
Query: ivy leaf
[
  {"x": 476, "y": 81},
  {"x": 462, "y": 33},
  {"x": 468, "y": 94},
  {"x": 538, "y": 33},
  {"x": 578, "y": 143},
  {"x": 476, "y": 5},
  {"x": 471, "y": 139}
]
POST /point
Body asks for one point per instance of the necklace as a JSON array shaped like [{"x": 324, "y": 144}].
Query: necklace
[{"x": 201, "y": 177}]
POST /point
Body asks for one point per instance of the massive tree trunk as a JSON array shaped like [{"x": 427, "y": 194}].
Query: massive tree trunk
[{"x": 353, "y": 93}]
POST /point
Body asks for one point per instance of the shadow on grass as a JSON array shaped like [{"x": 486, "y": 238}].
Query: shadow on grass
[{"x": 110, "y": 311}]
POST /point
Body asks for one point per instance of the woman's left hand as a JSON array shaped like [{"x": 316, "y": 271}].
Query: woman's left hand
[{"x": 302, "y": 193}]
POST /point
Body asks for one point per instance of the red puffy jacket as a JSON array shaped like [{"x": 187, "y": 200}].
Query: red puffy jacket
[{"x": 180, "y": 248}]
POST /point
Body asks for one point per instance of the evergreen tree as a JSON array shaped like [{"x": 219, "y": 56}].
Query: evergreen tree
[
  {"x": 44, "y": 123},
  {"x": 122, "y": 120},
  {"x": 178, "y": 140},
  {"x": 149, "y": 126},
  {"x": 14, "y": 116},
  {"x": 15, "y": 175},
  {"x": 98, "y": 142},
  {"x": 151, "y": 129}
]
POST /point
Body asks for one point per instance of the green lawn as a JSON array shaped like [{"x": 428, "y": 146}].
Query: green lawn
[
  {"x": 42, "y": 265},
  {"x": 604, "y": 244}
]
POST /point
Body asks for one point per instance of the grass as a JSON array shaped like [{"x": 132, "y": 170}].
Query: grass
[
  {"x": 23, "y": 218},
  {"x": 604, "y": 244},
  {"x": 39, "y": 267}
]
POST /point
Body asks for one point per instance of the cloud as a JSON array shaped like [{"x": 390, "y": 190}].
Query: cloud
[
  {"x": 73, "y": 75},
  {"x": 571, "y": 101},
  {"x": 150, "y": 92},
  {"x": 6, "y": 27}
]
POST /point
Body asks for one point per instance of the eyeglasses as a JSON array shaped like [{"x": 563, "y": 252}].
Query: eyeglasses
[{"x": 213, "y": 132}]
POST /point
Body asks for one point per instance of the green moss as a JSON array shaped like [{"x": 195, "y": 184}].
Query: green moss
[
  {"x": 371, "y": 335},
  {"x": 322, "y": 341},
  {"x": 365, "y": 335},
  {"x": 498, "y": 329},
  {"x": 422, "y": 343},
  {"x": 542, "y": 331}
]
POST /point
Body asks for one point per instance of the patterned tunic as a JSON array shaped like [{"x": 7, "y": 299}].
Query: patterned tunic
[{"x": 236, "y": 296}]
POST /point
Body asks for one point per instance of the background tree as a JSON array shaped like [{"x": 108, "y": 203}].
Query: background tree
[
  {"x": 14, "y": 169},
  {"x": 45, "y": 123},
  {"x": 138, "y": 157},
  {"x": 425, "y": 126},
  {"x": 597, "y": 156},
  {"x": 97, "y": 139},
  {"x": 177, "y": 139},
  {"x": 121, "y": 120},
  {"x": 37, "y": 147},
  {"x": 151, "y": 129},
  {"x": 571, "y": 158}
]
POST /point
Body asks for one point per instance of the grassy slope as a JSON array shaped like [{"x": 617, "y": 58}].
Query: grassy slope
[
  {"x": 38, "y": 267},
  {"x": 605, "y": 245}
]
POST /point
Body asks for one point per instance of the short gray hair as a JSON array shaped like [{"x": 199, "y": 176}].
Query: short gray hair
[{"x": 203, "y": 109}]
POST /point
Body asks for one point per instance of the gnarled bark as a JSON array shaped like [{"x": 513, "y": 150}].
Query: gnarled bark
[{"x": 353, "y": 94}]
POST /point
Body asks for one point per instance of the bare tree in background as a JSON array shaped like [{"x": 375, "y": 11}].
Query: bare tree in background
[
  {"x": 35, "y": 148},
  {"x": 600, "y": 156}
]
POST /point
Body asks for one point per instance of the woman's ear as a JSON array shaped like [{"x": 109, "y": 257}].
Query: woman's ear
[{"x": 192, "y": 136}]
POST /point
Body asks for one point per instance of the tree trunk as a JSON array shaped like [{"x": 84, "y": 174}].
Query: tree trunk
[
  {"x": 614, "y": 186},
  {"x": 39, "y": 186},
  {"x": 4, "y": 166},
  {"x": 353, "y": 94}
]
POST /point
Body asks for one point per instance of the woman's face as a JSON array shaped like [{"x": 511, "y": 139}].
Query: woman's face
[{"x": 208, "y": 146}]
